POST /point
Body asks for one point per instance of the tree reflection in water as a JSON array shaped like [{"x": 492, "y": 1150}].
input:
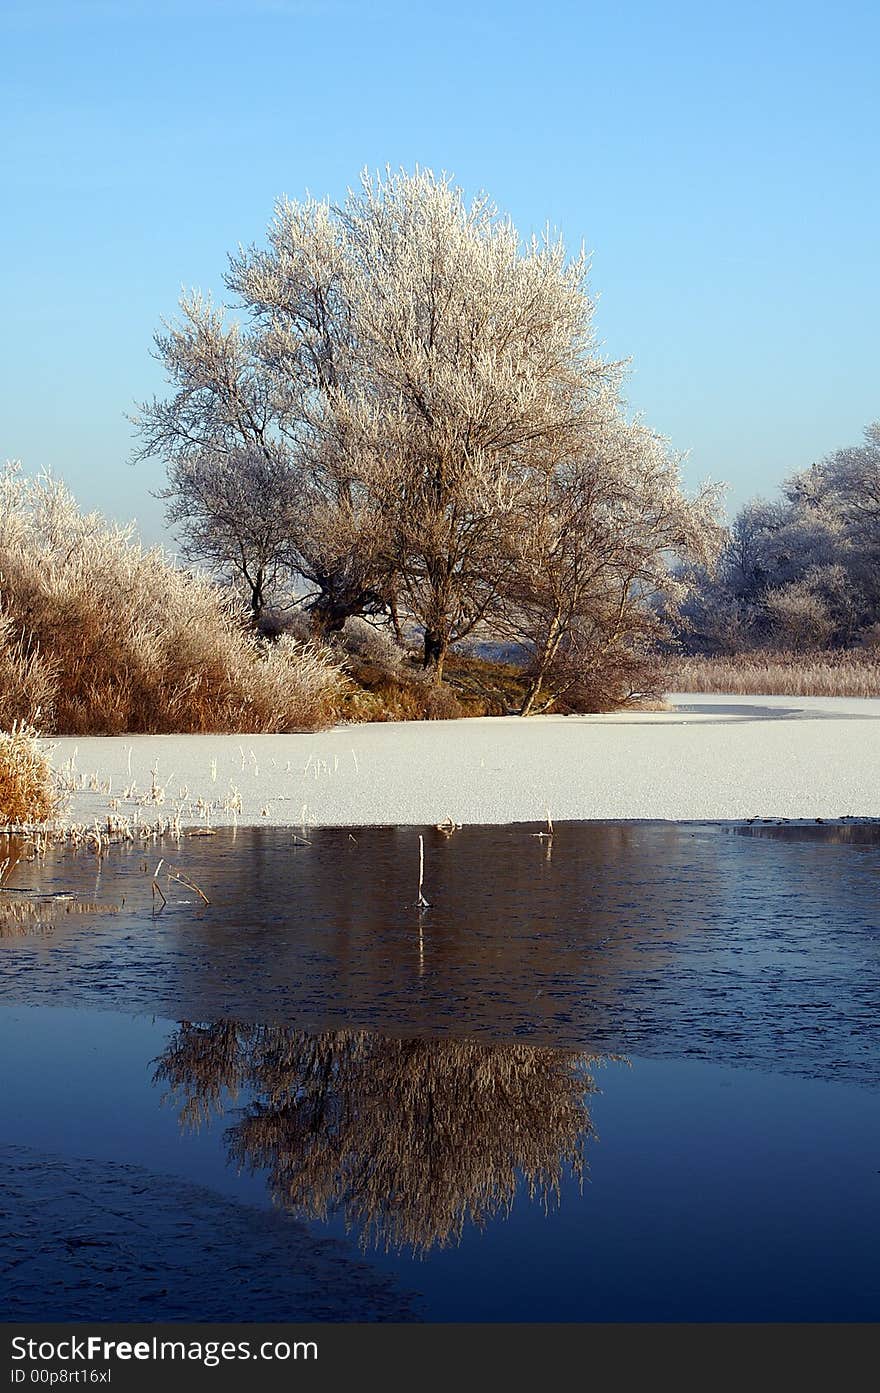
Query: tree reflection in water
[{"x": 408, "y": 1139}]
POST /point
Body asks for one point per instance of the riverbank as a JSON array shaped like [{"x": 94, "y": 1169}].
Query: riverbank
[{"x": 707, "y": 758}]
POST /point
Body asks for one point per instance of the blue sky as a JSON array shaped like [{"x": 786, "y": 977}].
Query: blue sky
[{"x": 719, "y": 162}]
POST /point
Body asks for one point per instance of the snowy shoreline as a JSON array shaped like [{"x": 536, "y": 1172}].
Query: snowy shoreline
[{"x": 709, "y": 758}]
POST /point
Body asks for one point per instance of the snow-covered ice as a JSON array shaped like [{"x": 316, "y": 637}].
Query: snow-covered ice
[{"x": 710, "y": 757}]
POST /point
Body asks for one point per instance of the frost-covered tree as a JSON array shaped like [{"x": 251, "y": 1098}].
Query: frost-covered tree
[
  {"x": 265, "y": 475},
  {"x": 802, "y": 571},
  {"x": 850, "y": 480},
  {"x": 482, "y": 358},
  {"x": 846, "y": 484},
  {"x": 409, "y": 409},
  {"x": 594, "y": 589},
  {"x": 230, "y": 480},
  {"x": 400, "y": 361}
]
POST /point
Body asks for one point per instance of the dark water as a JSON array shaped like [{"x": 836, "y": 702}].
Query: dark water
[{"x": 627, "y": 1074}]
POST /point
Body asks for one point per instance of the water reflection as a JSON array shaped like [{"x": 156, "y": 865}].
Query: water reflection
[
  {"x": 819, "y": 832},
  {"x": 409, "y": 1140},
  {"x": 644, "y": 939},
  {"x": 25, "y": 920}
]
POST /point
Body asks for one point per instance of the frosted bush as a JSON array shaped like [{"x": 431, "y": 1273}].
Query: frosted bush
[{"x": 103, "y": 636}]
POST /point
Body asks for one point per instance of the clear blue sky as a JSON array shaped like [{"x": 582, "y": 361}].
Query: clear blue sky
[{"x": 719, "y": 162}]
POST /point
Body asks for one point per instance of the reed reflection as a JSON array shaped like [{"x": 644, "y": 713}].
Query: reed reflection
[{"x": 410, "y": 1140}]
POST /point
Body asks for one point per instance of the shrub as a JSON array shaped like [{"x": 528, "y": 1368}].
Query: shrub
[
  {"x": 799, "y": 617},
  {"x": 621, "y": 678},
  {"x": 378, "y": 697},
  {"x": 390, "y": 685},
  {"x": 364, "y": 642},
  {"x": 107, "y": 637},
  {"x": 27, "y": 791}
]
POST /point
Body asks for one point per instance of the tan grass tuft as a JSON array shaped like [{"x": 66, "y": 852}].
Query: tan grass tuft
[{"x": 27, "y": 790}]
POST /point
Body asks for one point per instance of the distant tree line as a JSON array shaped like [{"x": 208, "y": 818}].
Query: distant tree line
[
  {"x": 408, "y": 418},
  {"x": 799, "y": 573}
]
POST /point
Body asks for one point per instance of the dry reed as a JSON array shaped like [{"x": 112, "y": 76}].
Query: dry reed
[{"x": 844, "y": 673}]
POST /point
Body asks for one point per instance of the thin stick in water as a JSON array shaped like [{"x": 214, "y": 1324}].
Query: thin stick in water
[
  {"x": 183, "y": 879},
  {"x": 421, "y": 901}
]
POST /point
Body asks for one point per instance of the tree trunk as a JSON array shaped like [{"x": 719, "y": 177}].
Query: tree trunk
[
  {"x": 258, "y": 598},
  {"x": 395, "y": 619},
  {"x": 548, "y": 653},
  {"x": 327, "y": 617},
  {"x": 529, "y": 699},
  {"x": 436, "y": 646}
]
